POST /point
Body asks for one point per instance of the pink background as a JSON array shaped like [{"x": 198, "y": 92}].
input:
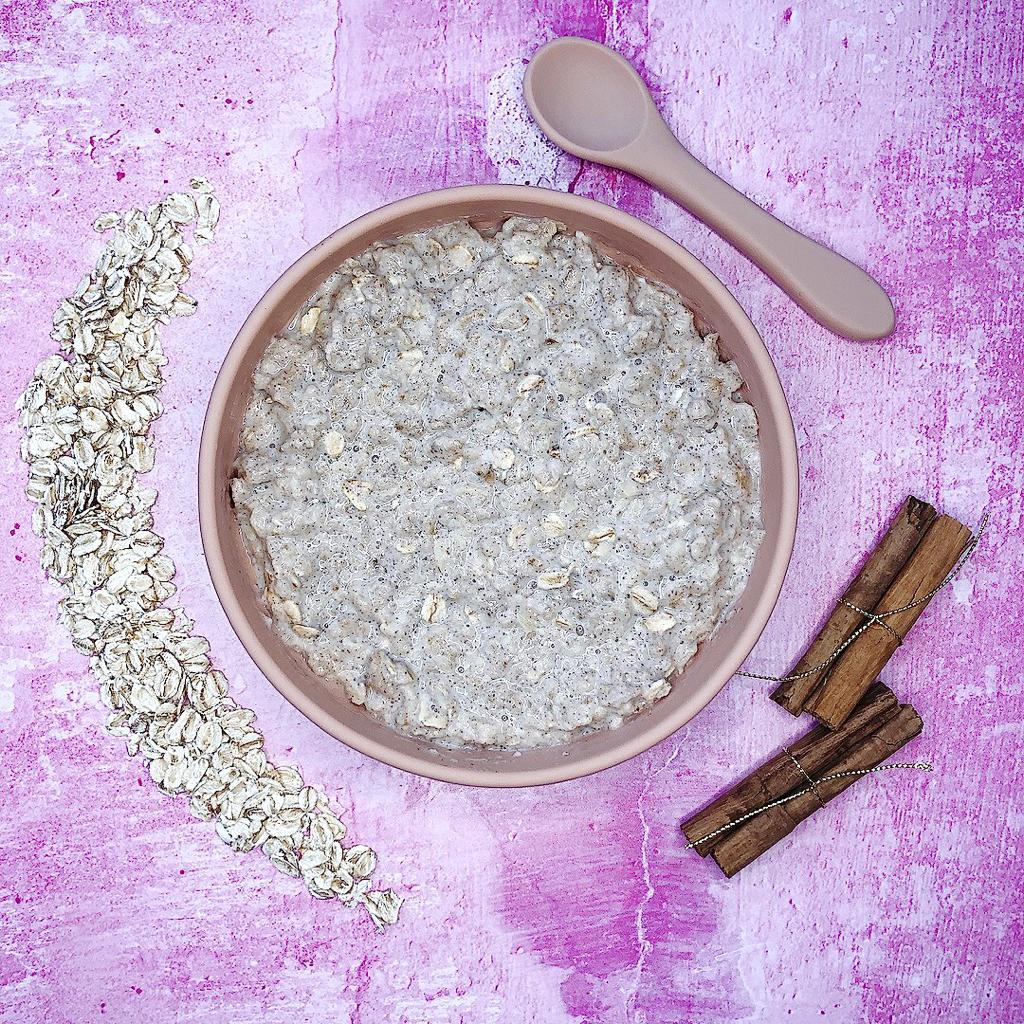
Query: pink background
[{"x": 891, "y": 131}]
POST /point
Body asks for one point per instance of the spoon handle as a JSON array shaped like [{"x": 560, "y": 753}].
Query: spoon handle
[{"x": 834, "y": 291}]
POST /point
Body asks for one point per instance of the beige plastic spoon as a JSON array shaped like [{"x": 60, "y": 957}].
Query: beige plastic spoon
[{"x": 590, "y": 101}]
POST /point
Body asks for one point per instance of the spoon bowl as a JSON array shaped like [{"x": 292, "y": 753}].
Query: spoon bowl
[{"x": 586, "y": 98}]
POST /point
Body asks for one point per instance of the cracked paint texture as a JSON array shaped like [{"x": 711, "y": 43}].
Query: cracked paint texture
[{"x": 892, "y": 131}]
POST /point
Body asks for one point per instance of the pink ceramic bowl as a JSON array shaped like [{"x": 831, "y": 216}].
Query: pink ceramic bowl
[{"x": 634, "y": 244}]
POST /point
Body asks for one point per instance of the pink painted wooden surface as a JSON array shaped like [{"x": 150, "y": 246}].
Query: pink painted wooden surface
[{"x": 892, "y": 131}]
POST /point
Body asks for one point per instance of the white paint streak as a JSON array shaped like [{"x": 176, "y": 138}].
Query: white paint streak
[
  {"x": 644, "y": 945},
  {"x": 518, "y": 149}
]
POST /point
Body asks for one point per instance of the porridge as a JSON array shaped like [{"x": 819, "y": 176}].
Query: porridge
[{"x": 496, "y": 486}]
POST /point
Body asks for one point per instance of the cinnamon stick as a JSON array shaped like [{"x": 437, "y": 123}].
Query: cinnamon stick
[
  {"x": 816, "y": 753},
  {"x": 748, "y": 841},
  {"x": 868, "y": 586},
  {"x": 861, "y": 662}
]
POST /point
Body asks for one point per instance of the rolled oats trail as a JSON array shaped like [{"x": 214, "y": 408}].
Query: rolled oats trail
[{"x": 87, "y": 418}]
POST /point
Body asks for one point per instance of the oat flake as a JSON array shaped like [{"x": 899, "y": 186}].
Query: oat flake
[{"x": 86, "y": 418}]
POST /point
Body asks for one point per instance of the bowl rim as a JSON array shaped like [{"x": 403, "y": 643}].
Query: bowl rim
[{"x": 759, "y": 612}]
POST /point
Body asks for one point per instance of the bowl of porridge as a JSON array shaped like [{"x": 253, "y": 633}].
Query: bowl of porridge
[{"x": 498, "y": 485}]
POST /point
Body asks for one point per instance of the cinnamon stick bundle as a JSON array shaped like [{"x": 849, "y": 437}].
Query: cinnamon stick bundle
[
  {"x": 868, "y": 587},
  {"x": 816, "y": 753},
  {"x": 877, "y": 729},
  {"x": 939, "y": 550},
  {"x": 748, "y": 841}
]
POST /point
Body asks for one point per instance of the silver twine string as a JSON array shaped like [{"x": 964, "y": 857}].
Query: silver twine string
[
  {"x": 878, "y": 618},
  {"x": 921, "y": 766}
]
